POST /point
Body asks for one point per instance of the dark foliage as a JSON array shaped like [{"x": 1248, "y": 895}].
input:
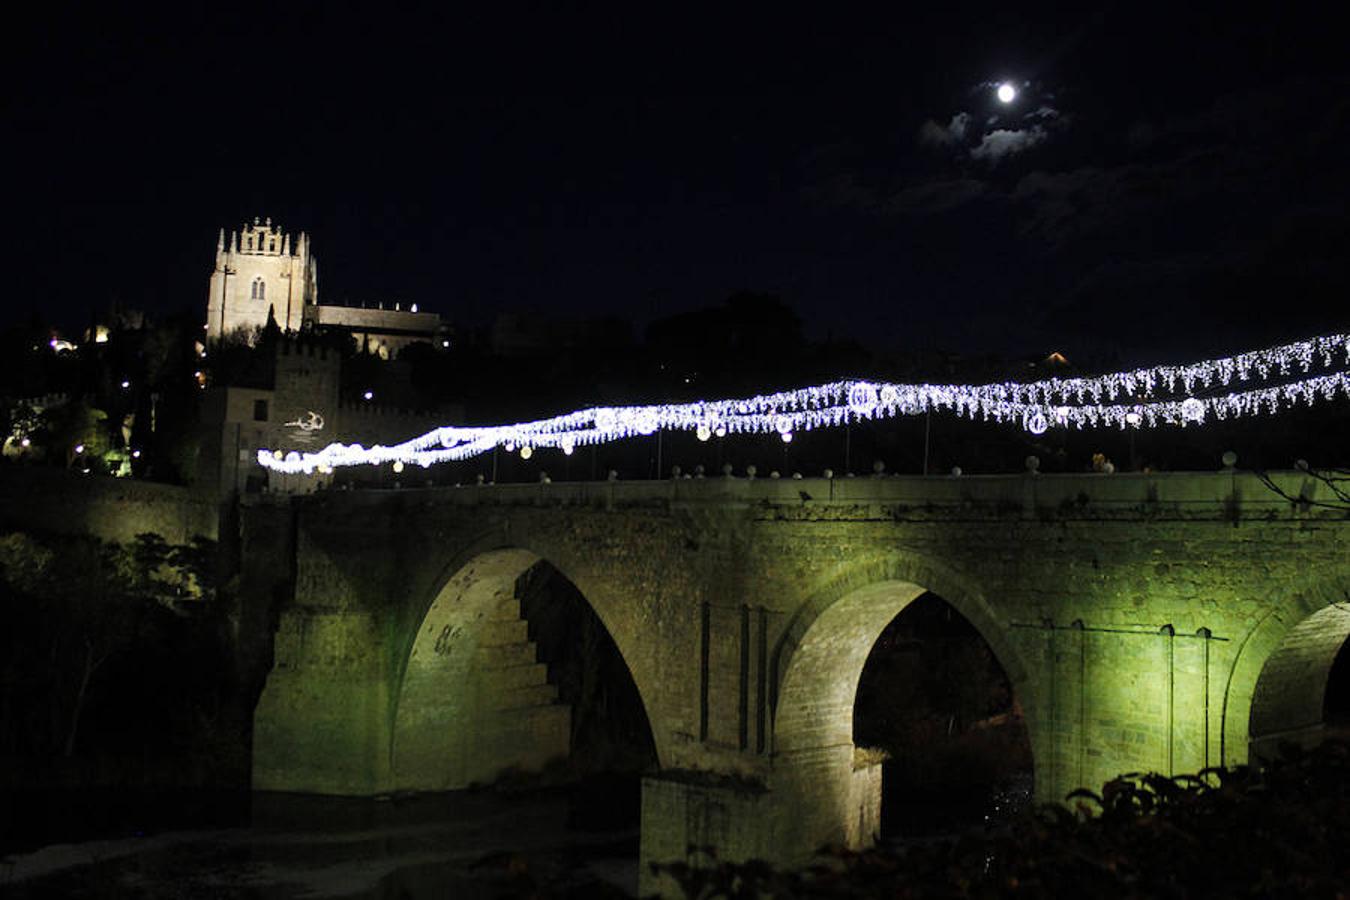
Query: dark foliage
[
  {"x": 138, "y": 390},
  {"x": 1279, "y": 831},
  {"x": 116, "y": 663}
]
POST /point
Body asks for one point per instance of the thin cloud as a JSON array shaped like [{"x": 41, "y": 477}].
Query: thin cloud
[
  {"x": 1001, "y": 143},
  {"x": 1002, "y": 131},
  {"x": 954, "y": 132}
]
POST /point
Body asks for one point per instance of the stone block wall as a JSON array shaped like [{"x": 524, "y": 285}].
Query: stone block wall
[
  {"x": 1132, "y": 614},
  {"x": 62, "y": 501}
]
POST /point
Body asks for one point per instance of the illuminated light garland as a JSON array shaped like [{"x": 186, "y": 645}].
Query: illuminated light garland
[{"x": 1071, "y": 402}]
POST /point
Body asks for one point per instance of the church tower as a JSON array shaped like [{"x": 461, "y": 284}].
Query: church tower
[{"x": 257, "y": 270}]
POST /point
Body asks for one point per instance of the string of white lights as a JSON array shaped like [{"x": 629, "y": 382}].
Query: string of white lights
[{"x": 1037, "y": 406}]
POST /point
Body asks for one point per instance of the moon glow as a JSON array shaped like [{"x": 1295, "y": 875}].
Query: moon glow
[{"x": 1007, "y": 93}]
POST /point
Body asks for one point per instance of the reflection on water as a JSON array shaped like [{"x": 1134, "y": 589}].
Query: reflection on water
[{"x": 462, "y": 844}]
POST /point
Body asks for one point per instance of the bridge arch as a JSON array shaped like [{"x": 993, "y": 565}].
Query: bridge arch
[
  {"x": 1278, "y": 683},
  {"x": 835, "y": 628},
  {"x": 817, "y": 667},
  {"x": 472, "y": 698}
]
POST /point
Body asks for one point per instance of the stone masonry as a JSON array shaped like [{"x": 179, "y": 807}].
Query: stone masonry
[{"x": 1134, "y": 614}]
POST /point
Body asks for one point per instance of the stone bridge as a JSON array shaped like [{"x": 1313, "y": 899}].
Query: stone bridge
[{"x": 1162, "y": 622}]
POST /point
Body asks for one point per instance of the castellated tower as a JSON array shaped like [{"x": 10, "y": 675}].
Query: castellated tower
[{"x": 259, "y": 269}]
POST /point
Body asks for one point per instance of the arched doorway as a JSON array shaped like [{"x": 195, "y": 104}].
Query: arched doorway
[
  {"x": 512, "y": 672},
  {"x": 1302, "y": 686},
  {"x": 832, "y": 786}
]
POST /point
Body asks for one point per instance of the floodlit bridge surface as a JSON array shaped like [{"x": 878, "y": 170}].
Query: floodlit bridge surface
[{"x": 1161, "y": 622}]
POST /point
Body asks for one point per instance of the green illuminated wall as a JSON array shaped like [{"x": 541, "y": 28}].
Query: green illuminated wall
[{"x": 1134, "y": 615}]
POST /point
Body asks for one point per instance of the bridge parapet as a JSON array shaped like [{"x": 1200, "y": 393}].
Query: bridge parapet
[{"x": 1225, "y": 495}]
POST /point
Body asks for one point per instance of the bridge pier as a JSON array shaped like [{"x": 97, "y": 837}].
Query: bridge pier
[
  {"x": 320, "y": 726},
  {"x": 832, "y": 800},
  {"x": 472, "y": 701}
]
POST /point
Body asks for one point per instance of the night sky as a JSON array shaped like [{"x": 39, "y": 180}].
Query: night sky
[{"x": 1169, "y": 182}]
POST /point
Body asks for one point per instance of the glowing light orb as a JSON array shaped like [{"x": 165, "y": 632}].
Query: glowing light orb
[
  {"x": 398, "y": 466},
  {"x": 1193, "y": 410},
  {"x": 862, "y": 399},
  {"x": 703, "y": 432},
  {"x": 1035, "y": 422},
  {"x": 645, "y": 422},
  {"x": 1133, "y": 418},
  {"x": 786, "y": 436},
  {"x": 1006, "y": 93},
  {"x": 526, "y": 452}
]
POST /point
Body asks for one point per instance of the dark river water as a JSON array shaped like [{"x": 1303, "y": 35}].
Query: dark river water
[
  {"x": 578, "y": 841},
  {"x": 464, "y": 844}
]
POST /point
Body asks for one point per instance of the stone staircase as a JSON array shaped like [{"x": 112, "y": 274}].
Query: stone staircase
[{"x": 523, "y": 725}]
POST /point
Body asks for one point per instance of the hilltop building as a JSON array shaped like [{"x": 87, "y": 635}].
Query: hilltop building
[
  {"x": 259, "y": 270},
  {"x": 296, "y": 404}
]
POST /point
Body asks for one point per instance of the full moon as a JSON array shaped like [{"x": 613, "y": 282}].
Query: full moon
[{"x": 1006, "y": 92}]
